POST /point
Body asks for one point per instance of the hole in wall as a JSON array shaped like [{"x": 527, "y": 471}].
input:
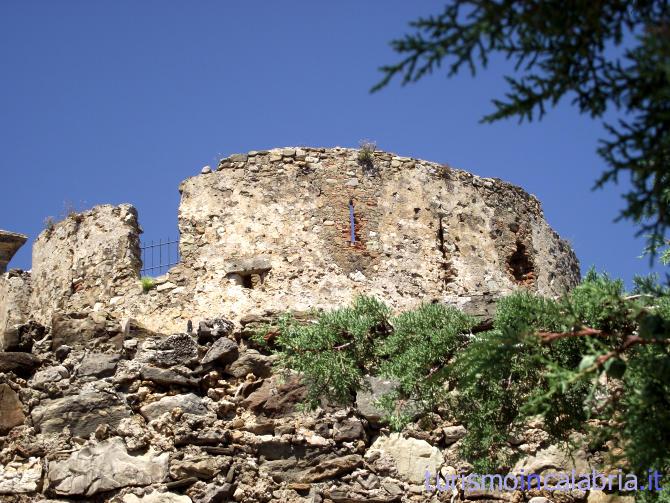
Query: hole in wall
[
  {"x": 251, "y": 280},
  {"x": 520, "y": 265},
  {"x": 449, "y": 272}
]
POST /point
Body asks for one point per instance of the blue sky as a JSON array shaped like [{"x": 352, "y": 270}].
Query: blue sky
[{"x": 118, "y": 101}]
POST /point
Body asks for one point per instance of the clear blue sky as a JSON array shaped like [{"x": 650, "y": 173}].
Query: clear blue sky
[{"x": 118, "y": 101}]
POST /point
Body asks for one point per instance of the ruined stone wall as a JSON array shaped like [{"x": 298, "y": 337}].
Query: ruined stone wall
[
  {"x": 271, "y": 231},
  {"x": 14, "y": 300},
  {"x": 85, "y": 262},
  {"x": 199, "y": 416}
]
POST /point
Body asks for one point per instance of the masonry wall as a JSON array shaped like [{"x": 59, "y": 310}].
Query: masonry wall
[
  {"x": 14, "y": 301},
  {"x": 85, "y": 262},
  {"x": 270, "y": 231}
]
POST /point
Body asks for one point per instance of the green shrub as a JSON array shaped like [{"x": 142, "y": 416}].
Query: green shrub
[
  {"x": 366, "y": 151},
  {"x": 542, "y": 357}
]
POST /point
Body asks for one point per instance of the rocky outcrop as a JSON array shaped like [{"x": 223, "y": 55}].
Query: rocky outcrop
[
  {"x": 104, "y": 467},
  {"x": 151, "y": 422}
]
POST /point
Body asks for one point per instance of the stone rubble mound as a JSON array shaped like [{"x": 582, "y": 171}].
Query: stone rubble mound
[{"x": 92, "y": 412}]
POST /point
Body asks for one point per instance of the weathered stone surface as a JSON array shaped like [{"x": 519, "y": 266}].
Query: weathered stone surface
[
  {"x": 49, "y": 375},
  {"x": 20, "y": 363},
  {"x": 555, "y": 459},
  {"x": 411, "y": 457},
  {"x": 87, "y": 258},
  {"x": 177, "y": 349},
  {"x": 201, "y": 467},
  {"x": 18, "y": 477},
  {"x": 189, "y": 403},
  {"x": 268, "y": 235},
  {"x": 296, "y": 470},
  {"x": 157, "y": 497},
  {"x": 276, "y": 399},
  {"x": 11, "y": 409},
  {"x": 22, "y": 337},
  {"x": 211, "y": 329},
  {"x": 425, "y": 231},
  {"x": 98, "y": 365},
  {"x": 166, "y": 377},
  {"x": 375, "y": 388},
  {"x": 602, "y": 497},
  {"x": 223, "y": 352},
  {"x": 251, "y": 362},
  {"x": 453, "y": 433},
  {"x": 14, "y": 305},
  {"x": 104, "y": 467},
  {"x": 82, "y": 413},
  {"x": 77, "y": 329},
  {"x": 10, "y": 242},
  {"x": 215, "y": 492},
  {"x": 348, "y": 430}
]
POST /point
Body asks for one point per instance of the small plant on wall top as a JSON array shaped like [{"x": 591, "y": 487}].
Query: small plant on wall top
[
  {"x": 49, "y": 225},
  {"x": 365, "y": 154},
  {"x": 148, "y": 283}
]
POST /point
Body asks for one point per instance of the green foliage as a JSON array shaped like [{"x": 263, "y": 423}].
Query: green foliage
[
  {"x": 148, "y": 283},
  {"x": 568, "y": 48},
  {"x": 416, "y": 354},
  {"x": 503, "y": 370},
  {"x": 595, "y": 361},
  {"x": 336, "y": 350}
]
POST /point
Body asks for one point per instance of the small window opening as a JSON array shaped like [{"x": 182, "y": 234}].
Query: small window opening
[
  {"x": 352, "y": 222},
  {"x": 249, "y": 279}
]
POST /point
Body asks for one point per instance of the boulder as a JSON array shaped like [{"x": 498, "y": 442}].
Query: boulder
[
  {"x": 166, "y": 377},
  {"x": 22, "y": 364},
  {"x": 453, "y": 433},
  {"x": 372, "y": 391},
  {"x": 276, "y": 400},
  {"x": 81, "y": 413},
  {"x": 188, "y": 403},
  {"x": 251, "y": 362},
  {"x": 105, "y": 467},
  {"x": 20, "y": 476},
  {"x": 410, "y": 456},
  {"x": 556, "y": 459},
  {"x": 49, "y": 375},
  {"x": 177, "y": 349},
  {"x": 156, "y": 497},
  {"x": 223, "y": 352},
  {"x": 211, "y": 329},
  {"x": 348, "y": 430},
  {"x": 98, "y": 365},
  {"x": 78, "y": 329},
  {"x": 11, "y": 409},
  {"x": 22, "y": 337}
]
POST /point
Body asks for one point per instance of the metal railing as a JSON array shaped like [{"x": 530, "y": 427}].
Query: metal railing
[{"x": 158, "y": 257}]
